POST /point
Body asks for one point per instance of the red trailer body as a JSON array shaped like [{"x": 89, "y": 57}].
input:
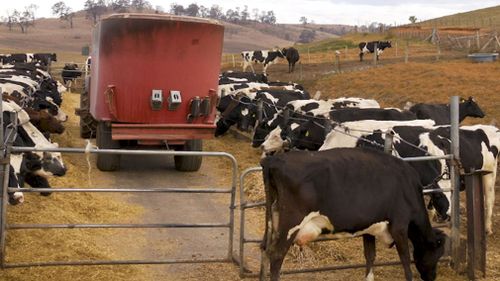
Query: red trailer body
[
  {"x": 135, "y": 55},
  {"x": 153, "y": 82}
]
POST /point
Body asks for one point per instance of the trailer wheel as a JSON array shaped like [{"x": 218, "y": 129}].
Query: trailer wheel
[
  {"x": 87, "y": 123},
  {"x": 189, "y": 163},
  {"x": 106, "y": 162}
]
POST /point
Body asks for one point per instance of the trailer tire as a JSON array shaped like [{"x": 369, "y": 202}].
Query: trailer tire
[
  {"x": 88, "y": 124},
  {"x": 106, "y": 162},
  {"x": 189, "y": 163}
]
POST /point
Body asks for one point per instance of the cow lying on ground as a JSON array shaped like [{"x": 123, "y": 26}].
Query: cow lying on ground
[
  {"x": 369, "y": 47},
  {"x": 348, "y": 193},
  {"x": 292, "y": 56},
  {"x": 264, "y": 57},
  {"x": 229, "y": 77},
  {"x": 441, "y": 112}
]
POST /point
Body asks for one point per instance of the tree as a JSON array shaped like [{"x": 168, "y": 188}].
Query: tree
[
  {"x": 141, "y": 5},
  {"x": 412, "y": 19},
  {"x": 215, "y": 12},
  {"x": 192, "y": 10},
  {"x": 303, "y": 20},
  {"x": 268, "y": 17},
  {"x": 307, "y": 36},
  {"x": 158, "y": 9},
  {"x": 176, "y": 9},
  {"x": 245, "y": 15},
  {"x": 94, "y": 9},
  {"x": 204, "y": 12},
  {"x": 120, "y": 6},
  {"x": 64, "y": 12},
  {"x": 26, "y": 18},
  {"x": 256, "y": 14},
  {"x": 10, "y": 21}
]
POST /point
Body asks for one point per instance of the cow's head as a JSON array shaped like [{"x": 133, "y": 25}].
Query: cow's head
[
  {"x": 43, "y": 101},
  {"x": 469, "y": 107},
  {"x": 46, "y": 122},
  {"x": 428, "y": 254},
  {"x": 233, "y": 109}
]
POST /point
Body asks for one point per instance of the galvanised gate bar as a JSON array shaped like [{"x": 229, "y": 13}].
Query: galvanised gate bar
[{"x": 229, "y": 225}]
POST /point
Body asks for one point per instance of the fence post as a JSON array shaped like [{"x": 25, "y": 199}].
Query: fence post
[
  {"x": 3, "y": 194},
  {"x": 375, "y": 53},
  {"x": 438, "y": 50},
  {"x": 476, "y": 233},
  {"x": 260, "y": 107},
  {"x": 389, "y": 138},
  {"x": 308, "y": 56},
  {"x": 406, "y": 51},
  {"x": 477, "y": 40},
  {"x": 345, "y": 52},
  {"x": 396, "y": 49},
  {"x": 337, "y": 62},
  {"x": 234, "y": 63},
  {"x": 455, "y": 184}
]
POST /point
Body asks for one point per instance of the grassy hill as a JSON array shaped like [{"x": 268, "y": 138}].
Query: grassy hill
[
  {"x": 487, "y": 18},
  {"x": 53, "y": 35}
]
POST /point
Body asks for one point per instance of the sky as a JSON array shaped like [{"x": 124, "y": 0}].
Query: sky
[{"x": 352, "y": 12}]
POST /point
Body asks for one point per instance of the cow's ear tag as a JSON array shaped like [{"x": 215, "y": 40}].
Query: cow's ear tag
[{"x": 307, "y": 133}]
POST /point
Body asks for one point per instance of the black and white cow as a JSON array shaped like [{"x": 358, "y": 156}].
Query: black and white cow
[
  {"x": 441, "y": 112},
  {"x": 276, "y": 138},
  {"x": 242, "y": 109},
  {"x": 292, "y": 56},
  {"x": 479, "y": 149},
  {"x": 303, "y": 109},
  {"x": 50, "y": 163},
  {"x": 369, "y": 47},
  {"x": 16, "y": 58},
  {"x": 348, "y": 192},
  {"x": 229, "y": 77},
  {"x": 264, "y": 57}
]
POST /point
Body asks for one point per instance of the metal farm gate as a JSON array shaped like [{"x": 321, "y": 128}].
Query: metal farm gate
[
  {"x": 476, "y": 242},
  {"x": 7, "y": 226}
]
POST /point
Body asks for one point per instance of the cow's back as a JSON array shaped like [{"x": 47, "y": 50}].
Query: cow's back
[{"x": 361, "y": 180}]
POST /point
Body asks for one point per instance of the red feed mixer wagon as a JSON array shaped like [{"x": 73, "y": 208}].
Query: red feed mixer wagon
[{"x": 153, "y": 83}]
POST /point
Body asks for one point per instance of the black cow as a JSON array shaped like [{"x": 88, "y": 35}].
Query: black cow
[
  {"x": 346, "y": 193},
  {"x": 292, "y": 56},
  {"x": 355, "y": 114},
  {"x": 441, "y": 112},
  {"x": 69, "y": 74},
  {"x": 265, "y": 57},
  {"x": 45, "y": 58},
  {"x": 369, "y": 47}
]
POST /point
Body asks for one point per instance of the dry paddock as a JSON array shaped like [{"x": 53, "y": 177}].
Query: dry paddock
[{"x": 391, "y": 85}]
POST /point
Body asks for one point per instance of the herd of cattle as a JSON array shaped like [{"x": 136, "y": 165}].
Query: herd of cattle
[
  {"x": 268, "y": 57},
  {"x": 31, "y": 101},
  {"x": 354, "y": 189}
]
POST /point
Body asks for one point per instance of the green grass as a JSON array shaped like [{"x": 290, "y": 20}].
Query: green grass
[{"x": 325, "y": 45}]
